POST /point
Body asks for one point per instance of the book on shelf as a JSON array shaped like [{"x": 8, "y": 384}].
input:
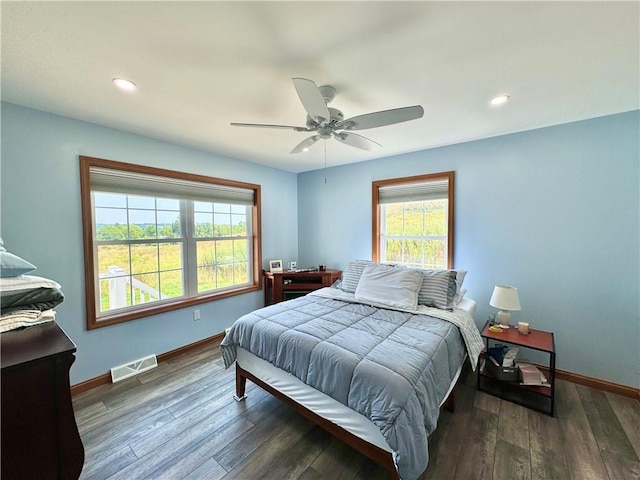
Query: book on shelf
[{"x": 531, "y": 375}]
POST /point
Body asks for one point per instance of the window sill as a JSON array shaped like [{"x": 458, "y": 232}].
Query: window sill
[{"x": 126, "y": 316}]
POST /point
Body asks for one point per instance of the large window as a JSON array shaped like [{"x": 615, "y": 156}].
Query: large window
[
  {"x": 413, "y": 221},
  {"x": 156, "y": 240}
]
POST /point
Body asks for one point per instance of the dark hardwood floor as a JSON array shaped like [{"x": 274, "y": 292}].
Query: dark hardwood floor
[{"x": 179, "y": 421}]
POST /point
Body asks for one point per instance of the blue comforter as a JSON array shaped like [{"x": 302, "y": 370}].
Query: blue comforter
[{"x": 393, "y": 367}]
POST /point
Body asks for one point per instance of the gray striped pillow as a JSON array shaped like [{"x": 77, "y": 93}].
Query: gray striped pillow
[
  {"x": 438, "y": 288},
  {"x": 352, "y": 273}
]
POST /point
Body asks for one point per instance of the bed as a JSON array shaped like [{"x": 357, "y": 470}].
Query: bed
[{"x": 364, "y": 359}]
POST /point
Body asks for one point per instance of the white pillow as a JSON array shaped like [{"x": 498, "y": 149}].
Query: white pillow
[
  {"x": 389, "y": 286},
  {"x": 463, "y": 292},
  {"x": 460, "y": 274}
]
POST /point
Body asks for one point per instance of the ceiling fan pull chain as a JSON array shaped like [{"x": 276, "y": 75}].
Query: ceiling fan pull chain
[{"x": 325, "y": 160}]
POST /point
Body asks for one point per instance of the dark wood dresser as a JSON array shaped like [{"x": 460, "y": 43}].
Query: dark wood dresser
[
  {"x": 280, "y": 286},
  {"x": 40, "y": 438}
]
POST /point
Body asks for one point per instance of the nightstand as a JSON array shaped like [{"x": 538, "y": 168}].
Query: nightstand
[{"x": 539, "y": 398}]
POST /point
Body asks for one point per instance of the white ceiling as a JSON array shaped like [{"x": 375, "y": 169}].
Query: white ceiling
[{"x": 201, "y": 65}]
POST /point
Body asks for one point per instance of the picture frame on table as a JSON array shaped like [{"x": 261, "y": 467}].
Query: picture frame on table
[{"x": 275, "y": 266}]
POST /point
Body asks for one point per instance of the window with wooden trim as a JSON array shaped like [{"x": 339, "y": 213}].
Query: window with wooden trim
[
  {"x": 413, "y": 220},
  {"x": 157, "y": 240}
]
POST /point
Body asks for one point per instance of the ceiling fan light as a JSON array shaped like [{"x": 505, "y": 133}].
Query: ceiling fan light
[
  {"x": 499, "y": 100},
  {"x": 124, "y": 84}
]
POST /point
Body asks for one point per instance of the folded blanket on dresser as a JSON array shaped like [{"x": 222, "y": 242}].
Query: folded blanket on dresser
[
  {"x": 25, "y": 318},
  {"x": 27, "y": 300},
  {"x": 37, "y": 299},
  {"x": 393, "y": 367}
]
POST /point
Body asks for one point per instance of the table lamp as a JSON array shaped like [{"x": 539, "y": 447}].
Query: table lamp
[{"x": 506, "y": 299}]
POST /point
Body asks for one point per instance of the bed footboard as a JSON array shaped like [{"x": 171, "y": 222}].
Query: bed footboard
[{"x": 367, "y": 449}]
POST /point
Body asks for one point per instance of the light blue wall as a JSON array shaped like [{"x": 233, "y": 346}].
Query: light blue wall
[
  {"x": 553, "y": 211},
  {"x": 41, "y": 222}
]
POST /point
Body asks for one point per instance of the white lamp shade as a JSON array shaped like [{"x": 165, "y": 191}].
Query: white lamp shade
[{"x": 505, "y": 298}]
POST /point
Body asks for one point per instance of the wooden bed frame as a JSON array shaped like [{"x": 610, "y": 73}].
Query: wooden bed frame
[{"x": 375, "y": 453}]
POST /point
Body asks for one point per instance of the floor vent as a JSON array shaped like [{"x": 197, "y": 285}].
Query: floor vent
[{"x": 133, "y": 368}]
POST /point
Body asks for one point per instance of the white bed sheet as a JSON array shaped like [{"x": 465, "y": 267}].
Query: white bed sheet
[{"x": 320, "y": 403}]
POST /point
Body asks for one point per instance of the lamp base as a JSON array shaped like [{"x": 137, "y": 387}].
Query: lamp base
[{"x": 504, "y": 317}]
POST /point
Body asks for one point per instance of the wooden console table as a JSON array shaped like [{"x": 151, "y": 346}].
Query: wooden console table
[
  {"x": 39, "y": 433},
  {"x": 286, "y": 285}
]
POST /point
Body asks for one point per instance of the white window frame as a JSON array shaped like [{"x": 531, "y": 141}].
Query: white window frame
[
  {"x": 385, "y": 238},
  {"x": 99, "y": 175}
]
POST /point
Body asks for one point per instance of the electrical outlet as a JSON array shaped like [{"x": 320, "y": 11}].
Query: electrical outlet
[{"x": 196, "y": 314}]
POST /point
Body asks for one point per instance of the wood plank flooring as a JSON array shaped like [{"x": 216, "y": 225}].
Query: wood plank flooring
[{"x": 179, "y": 421}]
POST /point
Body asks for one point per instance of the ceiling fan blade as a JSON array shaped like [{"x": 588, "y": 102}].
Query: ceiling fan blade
[
  {"x": 265, "y": 125},
  {"x": 357, "y": 141},
  {"x": 381, "y": 119},
  {"x": 305, "y": 144},
  {"x": 312, "y": 100}
]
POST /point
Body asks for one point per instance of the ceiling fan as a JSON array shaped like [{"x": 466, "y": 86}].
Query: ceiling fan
[{"x": 330, "y": 123}]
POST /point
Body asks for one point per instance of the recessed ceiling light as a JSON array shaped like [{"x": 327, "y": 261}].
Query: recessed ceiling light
[
  {"x": 499, "y": 100},
  {"x": 123, "y": 84}
]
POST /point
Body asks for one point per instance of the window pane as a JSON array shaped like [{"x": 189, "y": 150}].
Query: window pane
[
  {"x": 113, "y": 260},
  {"x": 145, "y": 288},
  {"x": 170, "y": 256},
  {"x": 222, "y": 225},
  {"x": 436, "y": 218},
  {"x": 171, "y": 284},
  {"x": 142, "y": 224},
  {"x": 206, "y": 278},
  {"x": 413, "y": 221},
  {"x": 111, "y": 224},
  {"x": 224, "y": 251},
  {"x": 203, "y": 225},
  {"x": 103, "y": 296},
  {"x": 202, "y": 207},
  {"x": 239, "y": 209},
  {"x": 239, "y": 223},
  {"x": 412, "y": 250},
  {"x": 393, "y": 251},
  {"x": 144, "y": 258},
  {"x": 206, "y": 252},
  {"x": 168, "y": 224},
  {"x": 240, "y": 273},
  {"x": 435, "y": 254},
  {"x": 225, "y": 276},
  {"x": 114, "y": 293},
  {"x": 393, "y": 224},
  {"x": 167, "y": 204},
  {"x": 148, "y": 203},
  {"x": 222, "y": 208},
  {"x": 109, "y": 200},
  {"x": 240, "y": 250}
]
